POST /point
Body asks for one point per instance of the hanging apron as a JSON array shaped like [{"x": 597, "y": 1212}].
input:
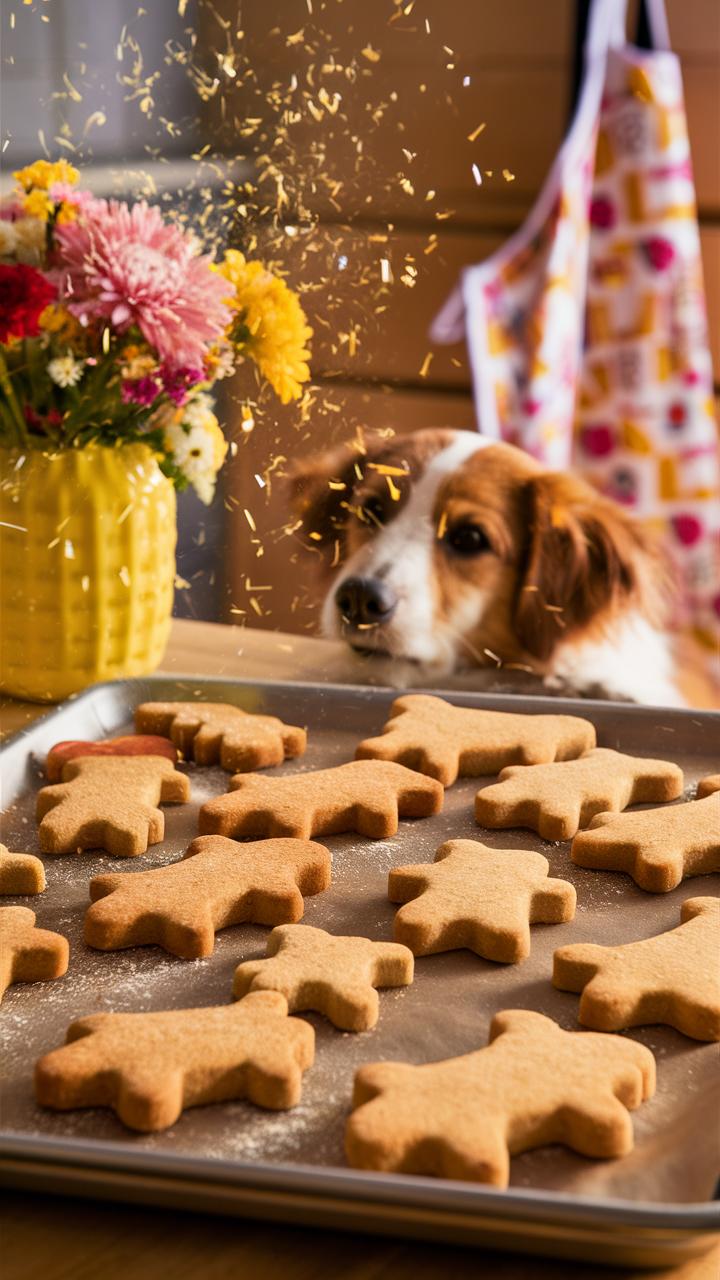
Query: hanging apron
[{"x": 587, "y": 330}]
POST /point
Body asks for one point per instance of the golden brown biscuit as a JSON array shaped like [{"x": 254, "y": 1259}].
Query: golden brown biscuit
[
  {"x": 131, "y": 745},
  {"x": 218, "y": 883},
  {"x": 366, "y": 796},
  {"x": 673, "y": 977},
  {"x": 28, "y": 954},
  {"x": 329, "y": 974},
  {"x": 657, "y": 847},
  {"x": 149, "y": 1067},
  {"x": 217, "y": 732},
  {"x": 20, "y": 872},
  {"x": 533, "y": 1085},
  {"x": 476, "y": 897},
  {"x": 444, "y": 741},
  {"x": 109, "y": 802},
  {"x": 557, "y": 799},
  {"x": 708, "y": 786}
]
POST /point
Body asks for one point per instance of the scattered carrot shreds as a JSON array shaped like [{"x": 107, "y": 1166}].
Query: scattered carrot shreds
[
  {"x": 508, "y": 176},
  {"x": 249, "y": 518},
  {"x": 383, "y": 469},
  {"x": 476, "y": 132},
  {"x": 371, "y": 54},
  {"x": 425, "y": 366},
  {"x": 442, "y": 524},
  {"x": 338, "y": 485},
  {"x": 316, "y": 537},
  {"x": 394, "y": 491}
]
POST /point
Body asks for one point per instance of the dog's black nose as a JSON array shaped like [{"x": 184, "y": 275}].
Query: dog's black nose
[{"x": 365, "y": 602}]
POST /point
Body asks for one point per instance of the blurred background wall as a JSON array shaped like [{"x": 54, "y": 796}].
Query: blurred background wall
[{"x": 384, "y": 145}]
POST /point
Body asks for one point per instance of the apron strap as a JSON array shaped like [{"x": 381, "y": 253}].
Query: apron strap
[
  {"x": 653, "y": 18},
  {"x": 605, "y": 29}
]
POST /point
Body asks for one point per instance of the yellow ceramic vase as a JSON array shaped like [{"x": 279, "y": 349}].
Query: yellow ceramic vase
[{"x": 87, "y": 567}]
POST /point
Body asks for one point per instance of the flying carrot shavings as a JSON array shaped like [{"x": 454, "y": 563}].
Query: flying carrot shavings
[
  {"x": 508, "y": 176},
  {"x": 249, "y": 519},
  {"x": 442, "y": 524},
  {"x": 383, "y": 469},
  {"x": 371, "y": 54},
  {"x": 426, "y": 365},
  {"x": 476, "y": 132},
  {"x": 394, "y": 491}
]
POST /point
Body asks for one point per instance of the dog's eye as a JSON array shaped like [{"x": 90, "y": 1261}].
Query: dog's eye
[
  {"x": 373, "y": 511},
  {"x": 467, "y": 540}
]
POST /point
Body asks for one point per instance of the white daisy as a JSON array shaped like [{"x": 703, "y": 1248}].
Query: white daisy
[
  {"x": 66, "y": 371},
  {"x": 30, "y": 244},
  {"x": 196, "y": 411},
  {"x": 7, "y": 239}
]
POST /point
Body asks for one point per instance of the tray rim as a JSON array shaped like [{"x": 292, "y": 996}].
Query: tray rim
[
  {"x": 402, "y": 1189},
  {"x": 541, "y": 704},
  {"x": 32, "y": 1153}
]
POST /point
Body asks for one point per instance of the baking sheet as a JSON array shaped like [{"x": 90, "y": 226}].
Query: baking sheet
[{"x": 447, "y": 1010}]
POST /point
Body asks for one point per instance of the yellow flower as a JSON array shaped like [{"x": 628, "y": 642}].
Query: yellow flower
[
  {"x": 66, "y": 213},
  {"x": 38, "y": 205},
  {"x": 277, "y": 329},
  {"x": 219, "y": 443},
  {"x": 43, "y": 173},
  {"x": 137, "y": 363},
  {"x": 58, "y": 321}
]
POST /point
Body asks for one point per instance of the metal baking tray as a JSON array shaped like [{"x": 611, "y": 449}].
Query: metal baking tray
[{"x": 652, "y": 1208}]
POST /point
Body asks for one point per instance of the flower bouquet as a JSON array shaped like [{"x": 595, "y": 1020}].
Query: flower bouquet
[{"x": 114, "y": 327}]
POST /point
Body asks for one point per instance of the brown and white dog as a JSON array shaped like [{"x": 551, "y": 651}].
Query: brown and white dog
[{"x": 445, "y": 550}]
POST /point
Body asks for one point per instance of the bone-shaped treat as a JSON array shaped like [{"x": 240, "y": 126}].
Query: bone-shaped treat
[
  {"x": 217, "y": 732},
  {"x": 657, "y": 847},
  {"x": 673, "y": 977},
  {"x": 534, "y": 1084},
  {"x": 477, "y": 897},
  {"x": 366, "y": 796},
  {"x": 20, "y": 872},
  {"x": 219, "y": 882},
  {"x": 333, "y": 975},
  {"x": 129, "y": 745},
  {"x": 109, "y": 802},
  {"x": 28, "y": 954},
  {"x": 444, "y": 741},
  {"x": 151, "y": 1066},
  {"x": 557, "y": 799}
]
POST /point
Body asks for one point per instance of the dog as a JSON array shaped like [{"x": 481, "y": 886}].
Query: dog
[{"x": 443, "y": 551}]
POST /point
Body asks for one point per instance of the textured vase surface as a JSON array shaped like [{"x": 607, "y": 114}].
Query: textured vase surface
[{"x": 87, "y": 567}]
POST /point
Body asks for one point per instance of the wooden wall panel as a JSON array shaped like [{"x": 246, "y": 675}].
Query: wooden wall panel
[{"x": 393, "y": 345}]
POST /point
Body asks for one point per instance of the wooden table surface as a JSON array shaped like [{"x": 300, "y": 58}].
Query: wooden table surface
[{"x": 50, "y": 1238}]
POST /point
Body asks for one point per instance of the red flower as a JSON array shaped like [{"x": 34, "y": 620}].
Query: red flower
[{"x": 24, "y": 295}]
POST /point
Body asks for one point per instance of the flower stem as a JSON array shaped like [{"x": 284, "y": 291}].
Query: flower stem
[{"x": 15, "y": 412}]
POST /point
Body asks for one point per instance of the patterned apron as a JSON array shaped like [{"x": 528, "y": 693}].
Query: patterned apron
[{"x": 587, "y": 330}]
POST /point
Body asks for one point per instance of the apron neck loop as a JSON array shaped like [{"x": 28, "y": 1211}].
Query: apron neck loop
[{"x": 606, "y": 26}]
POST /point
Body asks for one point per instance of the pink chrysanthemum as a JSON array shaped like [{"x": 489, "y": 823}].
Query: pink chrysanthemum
[{"x": 126, "y": 266}]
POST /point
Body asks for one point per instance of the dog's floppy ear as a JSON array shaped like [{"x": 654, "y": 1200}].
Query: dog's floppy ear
[
  {"x": 320, "y": 489},
  {"x": 584, "y": 557}
]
